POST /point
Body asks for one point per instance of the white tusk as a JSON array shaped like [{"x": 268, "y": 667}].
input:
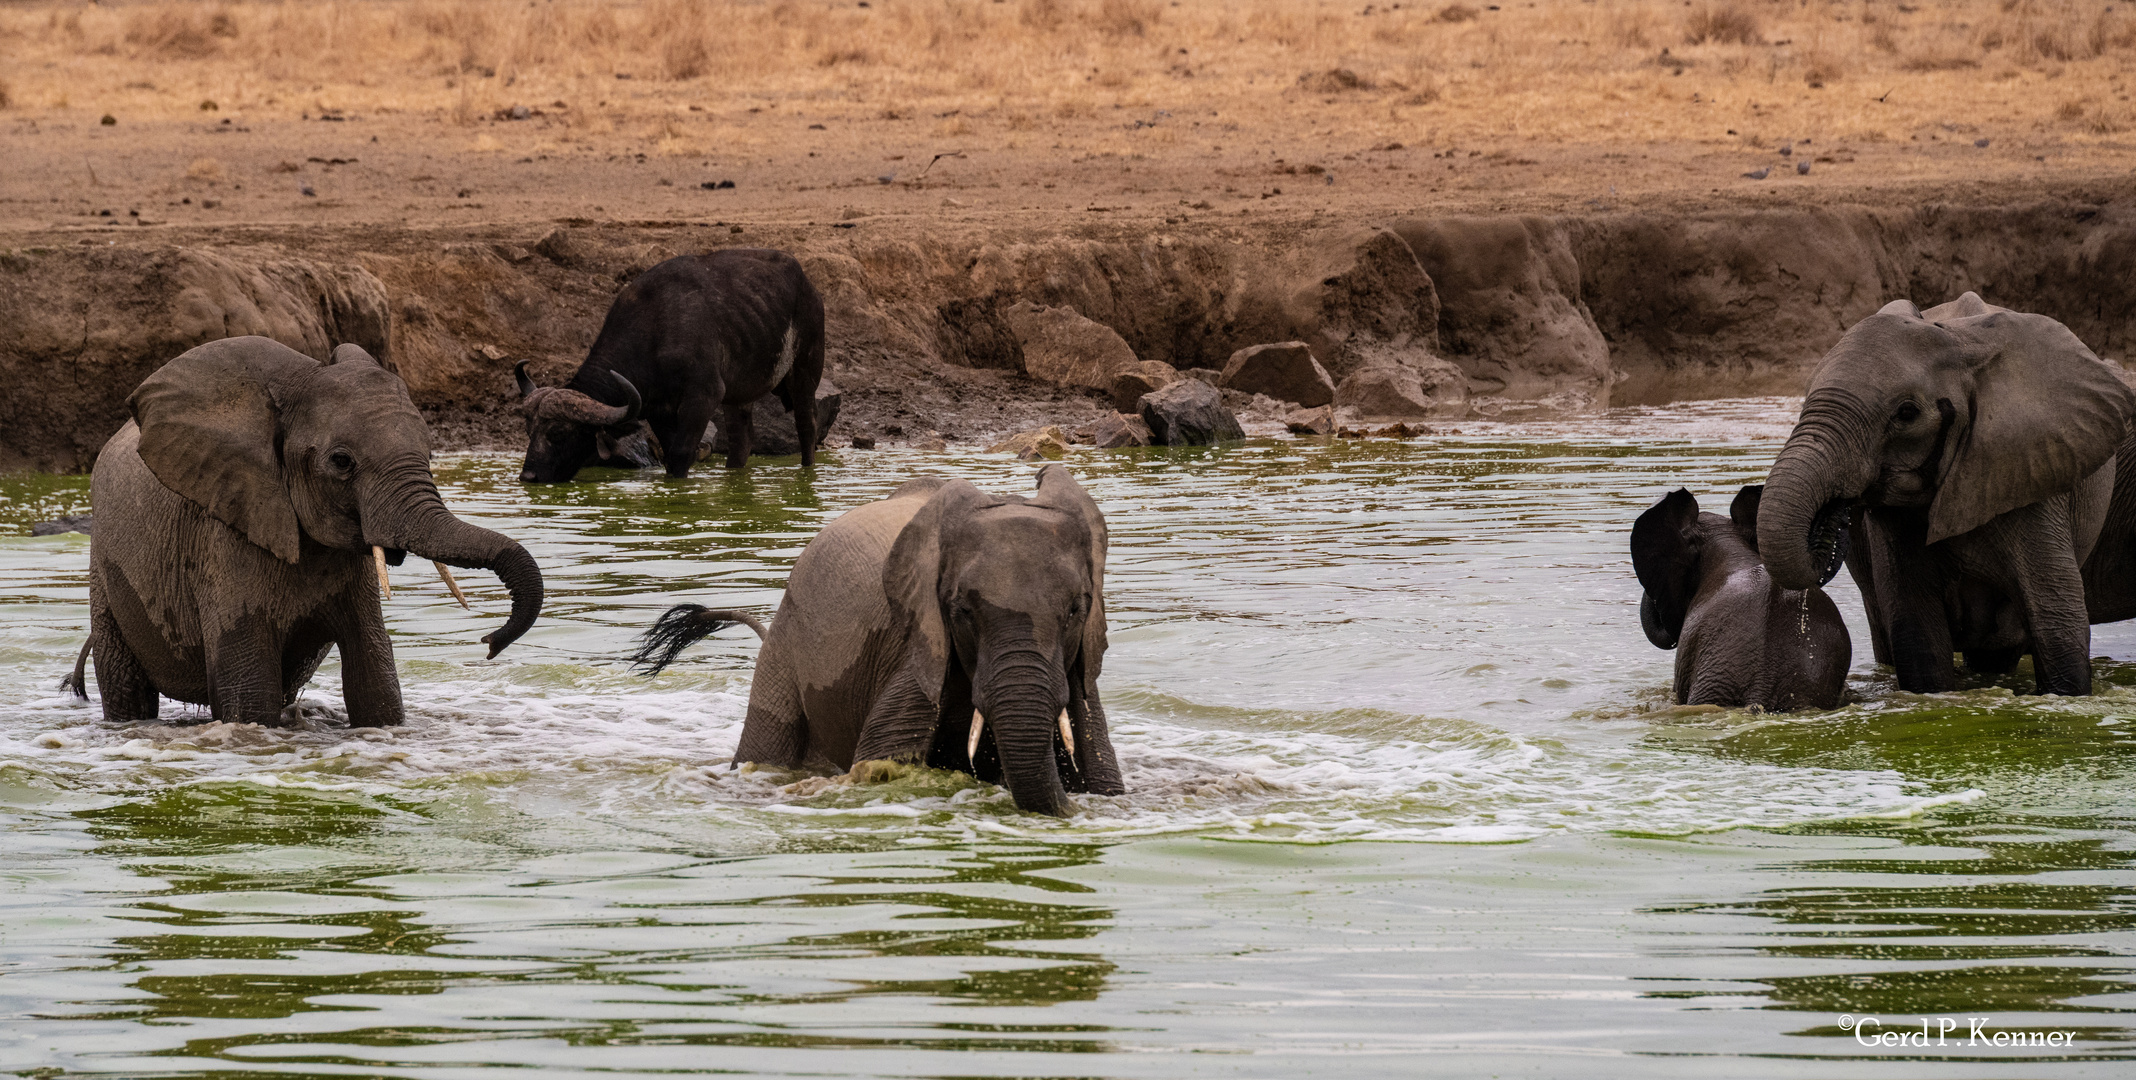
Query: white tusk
[
  {"x": 1068, "y": 737},
  {"x": 971, "y": 748},
  {"x": 378, "y": 560},
  {"x": 446, "y": 573}
]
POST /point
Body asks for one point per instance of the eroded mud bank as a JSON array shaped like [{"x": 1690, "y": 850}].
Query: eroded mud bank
[{"x": 979, "y": 328}]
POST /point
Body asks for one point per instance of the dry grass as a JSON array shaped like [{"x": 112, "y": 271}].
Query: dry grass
[
  {"x": 1559, "y": 70},
  {"x": 1731, "y": 24}
]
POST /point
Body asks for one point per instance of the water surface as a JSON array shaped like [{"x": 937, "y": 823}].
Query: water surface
[{"x": 1403, "y": 798}]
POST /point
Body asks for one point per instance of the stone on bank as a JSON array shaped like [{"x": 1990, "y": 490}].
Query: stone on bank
[
  {"x": 1286, "y": 371},
  {"x": 1189, "y": 413}
]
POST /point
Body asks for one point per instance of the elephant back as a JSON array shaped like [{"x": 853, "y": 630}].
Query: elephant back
[{"x": 837, "y": 629}]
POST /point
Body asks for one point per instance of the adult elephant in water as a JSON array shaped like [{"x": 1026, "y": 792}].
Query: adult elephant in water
[
  {"x": 244, "y": 520},
  {"x": 941, "y": 625},
  {"x": 1979, "y": 444}
]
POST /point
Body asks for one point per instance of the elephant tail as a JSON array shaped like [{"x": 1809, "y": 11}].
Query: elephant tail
[
  {"x": 680, "y": 627},
  {"x": 78, "y": 680}
]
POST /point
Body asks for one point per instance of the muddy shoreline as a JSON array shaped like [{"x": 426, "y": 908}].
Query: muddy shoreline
[{"x": 930, "y": 321}]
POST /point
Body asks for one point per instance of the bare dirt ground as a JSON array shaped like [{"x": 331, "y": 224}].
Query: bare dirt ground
[{"x": 310, "y": 126}]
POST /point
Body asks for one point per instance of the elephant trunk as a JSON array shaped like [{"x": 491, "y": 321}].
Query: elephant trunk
[
  {"x": 405, "y": 512},
  {"x": 1828, "y": 462},
  {"x": 1021, "y": 690}
]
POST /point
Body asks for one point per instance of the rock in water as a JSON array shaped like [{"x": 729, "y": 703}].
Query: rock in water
[
  {"x": 1049, "y": 443},
  {"x": 1189, "y": 413},
  {"x": 1120, "y": 429},
  {"x": 1286, "y": 371},
  {"x": 1320, "y": 421},
  {"x": 771, "y": 429},
  {"x": 65, "y": 523},
  {"x": 1402, "y": 391},
  {"x": 1138, "y": 379}
]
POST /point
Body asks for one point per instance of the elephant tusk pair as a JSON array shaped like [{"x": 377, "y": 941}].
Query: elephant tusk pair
[
  {"x": 385, "y": 587},
  {"x": 971, "y": 745}
]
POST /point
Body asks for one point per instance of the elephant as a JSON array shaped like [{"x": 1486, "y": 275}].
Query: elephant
[
  {"x": 1980, "y": 445},
  {"x": 908, "y": 615},
  {"x": 1740, "y": 638},
  {"x": 695, "y": 335},
  {"x": 244, "y": 519}
]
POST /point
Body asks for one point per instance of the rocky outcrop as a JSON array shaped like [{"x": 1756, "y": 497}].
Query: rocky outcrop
[
  {"x": 1115, "y": 430},
  {"x": 1061, "y": 346},
  {"x": 1143, "y": 376},
  {"x": 1747, "y": 302},
  {"x": 771, "y": 426},
  {"x": 1398, "y": 390},
  {"x": 1285, "y": 371},
  {"x": 1046, "y": 443},
  {"x": 1511, "y": 315},
  {"x": 1189, "y": 413},
  {"x": 1363, "y": 297},
  {"x": 1531, "y": 313},
  {"x": 1320, "y": 421},
  {"x": 84, "y": 327},
  {"x": 974, "y": 335}
]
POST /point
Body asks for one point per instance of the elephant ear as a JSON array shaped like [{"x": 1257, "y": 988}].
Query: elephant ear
[
  {"x": 1057, "y": 490},
  {"x": 1744, "y": 513},
  {"x": 1965, "y": 307},
  {"x": 351, "y": 353},
  {"x": 912, "y": 574},
  {"x": 208, "y": 425},
  {"x": 2043, "y": 412},
  {"x": 1665, "y": 551}
]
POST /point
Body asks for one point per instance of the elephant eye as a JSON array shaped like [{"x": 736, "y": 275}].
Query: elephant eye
[
  {"x": 341, "y": 460},
  {"x": 1907, "y": 413}
]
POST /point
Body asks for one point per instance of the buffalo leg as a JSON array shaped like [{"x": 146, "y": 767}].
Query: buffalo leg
[
  {"x": 804, "y": 406},
  {"x": 680, "y": 438},
  {"x": 740, "y": 424}
]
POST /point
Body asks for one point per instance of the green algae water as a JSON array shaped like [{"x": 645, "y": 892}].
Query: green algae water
[{"x": 1405, "y": 798}]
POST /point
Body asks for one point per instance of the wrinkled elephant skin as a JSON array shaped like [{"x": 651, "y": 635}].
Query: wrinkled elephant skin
[
  {"x": 1979, "y": 445},
  {"x": 244, "y": 519}
]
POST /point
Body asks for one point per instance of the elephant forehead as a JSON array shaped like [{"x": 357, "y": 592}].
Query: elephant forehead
[
  {"x": 364, "y": 402},
  {"x": 1035, "y": 529},
  {"x": 1893, "y": 348},
  {"x": 1019, "y": 548}
]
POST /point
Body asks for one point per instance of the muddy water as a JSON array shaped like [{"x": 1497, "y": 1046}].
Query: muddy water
[{"x": 1398, "y": 802}]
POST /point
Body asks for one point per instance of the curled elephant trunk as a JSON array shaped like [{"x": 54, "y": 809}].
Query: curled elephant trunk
[
  {"x": 416, "y": 520},
  {"x": 1810, "y": 494}
]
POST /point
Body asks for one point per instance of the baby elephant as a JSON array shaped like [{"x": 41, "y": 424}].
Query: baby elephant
[
  {"x": 1740, "y": 638},
  {"x": 941, "y": 625}
]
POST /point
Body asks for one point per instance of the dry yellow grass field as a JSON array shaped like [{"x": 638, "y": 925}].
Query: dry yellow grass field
[
  {"x": 1647, "y": 94},
  {"x": 1561, "y": 70}
]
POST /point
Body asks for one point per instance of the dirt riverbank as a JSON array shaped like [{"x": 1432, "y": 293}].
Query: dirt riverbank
[
  {"x": 931, "y": 315},
  {"x": 1465, "y": 211}
]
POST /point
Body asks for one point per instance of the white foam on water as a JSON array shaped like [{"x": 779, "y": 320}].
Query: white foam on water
[{"x": 664, "y": 753}]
